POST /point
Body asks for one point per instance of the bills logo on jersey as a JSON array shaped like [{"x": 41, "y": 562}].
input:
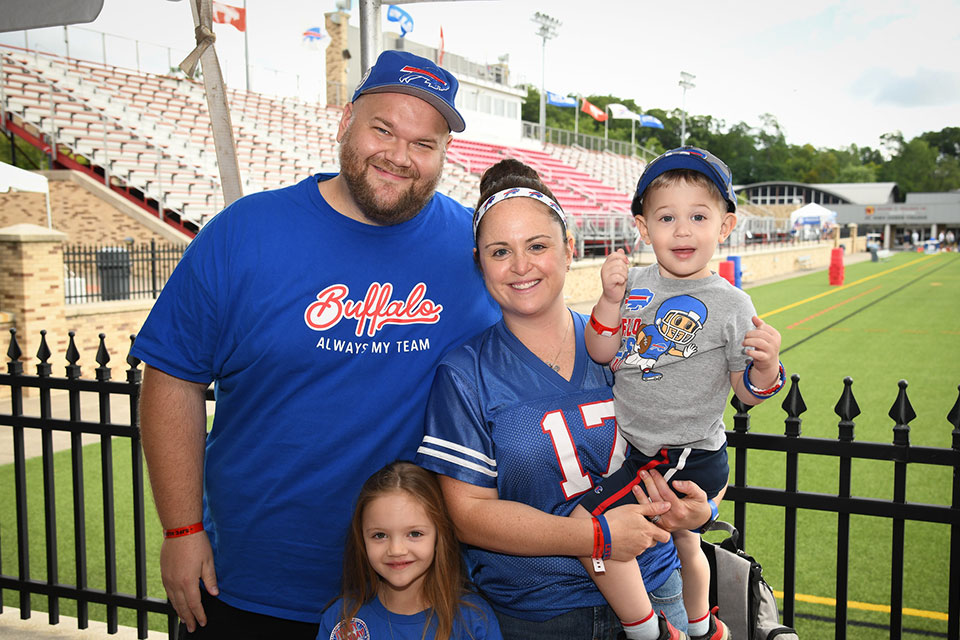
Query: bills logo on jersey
[
  {"x": 375, "y": 310},
  {"x": 415, "y": 74},
  {"x": 355, "y": 629},
  {"x": 638, "y": 298}
]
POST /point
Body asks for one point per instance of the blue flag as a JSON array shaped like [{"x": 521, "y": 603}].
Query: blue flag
[
  {"x": 650, "y": 121},
  {"x": 558, "y": 100},
  {"x": 396, "y": 14}
]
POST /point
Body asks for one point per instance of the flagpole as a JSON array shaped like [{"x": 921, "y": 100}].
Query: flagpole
[
  {"x": 605, "y": 123},
  {"x": 246, "y": 47},
  {"x": 576, "y": 119}
]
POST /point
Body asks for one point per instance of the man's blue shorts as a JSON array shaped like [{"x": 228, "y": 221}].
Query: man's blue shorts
[{"x": 707, "y": 468}]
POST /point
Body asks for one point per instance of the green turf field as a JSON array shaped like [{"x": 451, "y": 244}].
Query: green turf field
[{"x": 891, "y": 320}]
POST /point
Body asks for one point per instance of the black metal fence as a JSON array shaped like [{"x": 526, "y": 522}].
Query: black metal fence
[
  {"x": 94, "y": 273},
  {"x": 741, "y": 441}
]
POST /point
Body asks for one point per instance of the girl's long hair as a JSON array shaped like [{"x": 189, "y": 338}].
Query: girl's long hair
[{"x": 444, "y": 583}]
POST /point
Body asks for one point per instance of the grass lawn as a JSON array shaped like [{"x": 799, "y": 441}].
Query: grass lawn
[{"x": 890, "y": 321}]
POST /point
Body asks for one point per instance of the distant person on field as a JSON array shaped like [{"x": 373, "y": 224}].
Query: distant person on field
[
  {"x": 678, "y": 337},
  {"x": 320, "y": 312},
  {"x": 403, "y": 575}
]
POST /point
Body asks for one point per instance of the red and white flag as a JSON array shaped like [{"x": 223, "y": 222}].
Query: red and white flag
[
  {"x": 225, "y": 14},
  {"x": 593, "y": 111},
  {"x": 440, "y": 57}
]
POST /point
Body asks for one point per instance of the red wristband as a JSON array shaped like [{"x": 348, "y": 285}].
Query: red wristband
[
  {"x": 179, "y": 532},
  {"x": 597, "y": 539},
  {"x": 601, "y": 329}
]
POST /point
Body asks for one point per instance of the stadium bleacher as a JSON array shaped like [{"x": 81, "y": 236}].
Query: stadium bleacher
[{"x": 150, "y": 136}]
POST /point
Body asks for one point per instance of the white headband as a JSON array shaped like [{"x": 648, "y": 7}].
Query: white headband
[{"x": 516, "y": 192}]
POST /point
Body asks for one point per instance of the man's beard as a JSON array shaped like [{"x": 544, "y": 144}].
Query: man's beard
[{"x": 408, "y": 204}]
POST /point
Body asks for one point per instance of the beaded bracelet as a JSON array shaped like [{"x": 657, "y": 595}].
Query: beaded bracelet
[{"x": 763, "y": 394}]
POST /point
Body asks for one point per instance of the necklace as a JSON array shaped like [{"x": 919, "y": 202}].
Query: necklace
[{"x": 553, "y": 365}]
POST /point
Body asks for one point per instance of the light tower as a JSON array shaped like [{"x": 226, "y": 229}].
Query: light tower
[
  {"x": 685, "y": 82},
  {"x": 548, "y": 30}
]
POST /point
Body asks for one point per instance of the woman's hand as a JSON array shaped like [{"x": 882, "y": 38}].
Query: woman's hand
[
  {"x": 631, "y": 530},
  {"x": 689, "y": 512}
]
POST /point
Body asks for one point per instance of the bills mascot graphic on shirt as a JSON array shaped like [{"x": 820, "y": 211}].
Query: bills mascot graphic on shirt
[{"x": 677, "y": 321}]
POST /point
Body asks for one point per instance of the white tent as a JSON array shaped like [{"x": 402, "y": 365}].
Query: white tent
[
  {"x": 12, "y": 177},
  {"x": 813, "y": 214}
]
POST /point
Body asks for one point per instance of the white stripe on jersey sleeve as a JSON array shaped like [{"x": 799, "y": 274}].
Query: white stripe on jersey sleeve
[
  {"x": 458, "y": 460},
  {"x": 447, "y": 444}
]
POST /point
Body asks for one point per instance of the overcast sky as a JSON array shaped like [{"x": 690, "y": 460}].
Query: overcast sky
[{"x": 832, "y": 73}]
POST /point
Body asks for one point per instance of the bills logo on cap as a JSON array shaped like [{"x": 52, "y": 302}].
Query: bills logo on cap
[{"x": 429, "y": 79}]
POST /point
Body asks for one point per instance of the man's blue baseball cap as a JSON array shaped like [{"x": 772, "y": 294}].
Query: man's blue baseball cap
[
  {"x": 694, "y": 159},
  {"x": 403, "y": 72}
]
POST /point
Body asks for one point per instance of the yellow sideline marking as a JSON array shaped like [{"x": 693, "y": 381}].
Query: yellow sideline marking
[
  {"x": 846, "y": 286},
  {"x": 866, "y": 606}
]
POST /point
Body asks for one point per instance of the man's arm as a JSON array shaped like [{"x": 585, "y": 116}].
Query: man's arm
[{"x": 173, "y": 427}]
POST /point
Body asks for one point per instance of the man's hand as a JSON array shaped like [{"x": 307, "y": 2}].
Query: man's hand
[
  {"x": 184, "y": 561},
  {"x": 632, "y": 532}
]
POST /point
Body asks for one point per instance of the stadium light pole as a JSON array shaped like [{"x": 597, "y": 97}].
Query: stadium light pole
[
  {"x": 548, "y": 30},
  {"x": 685, "y": 82}
]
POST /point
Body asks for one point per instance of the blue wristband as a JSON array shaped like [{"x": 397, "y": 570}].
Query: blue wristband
[
  {"x": 714, "y": 514},
  {"x": 607, "y": 540}
]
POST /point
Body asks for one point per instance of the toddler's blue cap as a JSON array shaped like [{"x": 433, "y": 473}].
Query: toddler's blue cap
[{"x": 694, "y": 159}]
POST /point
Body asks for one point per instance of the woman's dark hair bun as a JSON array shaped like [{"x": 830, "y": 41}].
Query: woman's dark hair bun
[{"x": 507, "y": 174}]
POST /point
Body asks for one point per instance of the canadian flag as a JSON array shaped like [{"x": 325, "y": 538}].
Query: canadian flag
[
  {"x": 593, "y": 111},
  {"x": 225, "y": 14}
]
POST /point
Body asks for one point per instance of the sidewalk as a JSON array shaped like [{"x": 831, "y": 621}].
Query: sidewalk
[{"x": 38, "y": 628}]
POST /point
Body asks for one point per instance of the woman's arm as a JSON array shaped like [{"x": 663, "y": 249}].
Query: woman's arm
[{"x": 484, "y": 520}]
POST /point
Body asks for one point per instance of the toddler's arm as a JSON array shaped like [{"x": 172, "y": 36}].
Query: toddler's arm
[{"x": 613, "y": 277}]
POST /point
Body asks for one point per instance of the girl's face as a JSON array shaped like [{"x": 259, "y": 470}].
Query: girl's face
[
  {"x": 523, "y": 256},
  {"x": 400, "y": 541}
]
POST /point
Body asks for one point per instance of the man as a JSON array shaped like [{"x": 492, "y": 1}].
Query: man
[{"x": 319, "y": 311}]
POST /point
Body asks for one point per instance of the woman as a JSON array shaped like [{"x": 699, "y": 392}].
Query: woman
[{"x": 520, "y": 423}]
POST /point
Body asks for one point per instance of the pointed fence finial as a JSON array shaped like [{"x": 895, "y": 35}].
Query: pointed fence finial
[
  {"x": 73, "y": 357},
  {"x": 848, "y": 409},
  {"x": 103, "y": 357},
  {"x": 132, "y": 360},
  {"x": 902, "y": 414},
  {"x": 14, "y": 367},
  {"x": 13, "y": 351},
  {"x": 44, "y": 368},
  {"x": 794, "y": 405},
  {"x": 954, "y": 418}
]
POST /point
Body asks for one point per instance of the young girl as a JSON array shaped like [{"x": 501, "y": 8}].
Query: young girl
[{"x": 403, "y": 577}]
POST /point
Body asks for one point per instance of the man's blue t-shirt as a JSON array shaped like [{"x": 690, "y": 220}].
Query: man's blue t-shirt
[{"x": 322, "y": 335}]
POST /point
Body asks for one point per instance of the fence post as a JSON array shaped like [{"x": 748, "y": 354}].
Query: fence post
[
  {"x": 902, "y": 414},
  {"x": 847, "y": 409},
  {"x": 153, "y": 268},
  {"x": 44, "y": 369},
  {"x": 793, "y": 404},
  {"x": 953, "y": 627},
  {"x": 741, "y": 424}
]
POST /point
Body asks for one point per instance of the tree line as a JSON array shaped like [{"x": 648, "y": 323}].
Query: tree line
[{"x": 929, "y": 162}]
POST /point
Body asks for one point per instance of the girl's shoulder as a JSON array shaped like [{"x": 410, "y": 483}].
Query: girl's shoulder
[{"x": 480, "y": 622}]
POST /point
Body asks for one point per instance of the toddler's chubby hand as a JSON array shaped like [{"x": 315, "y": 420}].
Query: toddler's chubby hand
[
  {"x": 613, "y": 276},
  {"x": 764, "y": 345}
]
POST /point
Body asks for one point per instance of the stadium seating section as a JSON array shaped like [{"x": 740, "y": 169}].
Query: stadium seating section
[{"x": 150, "y": 137}]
